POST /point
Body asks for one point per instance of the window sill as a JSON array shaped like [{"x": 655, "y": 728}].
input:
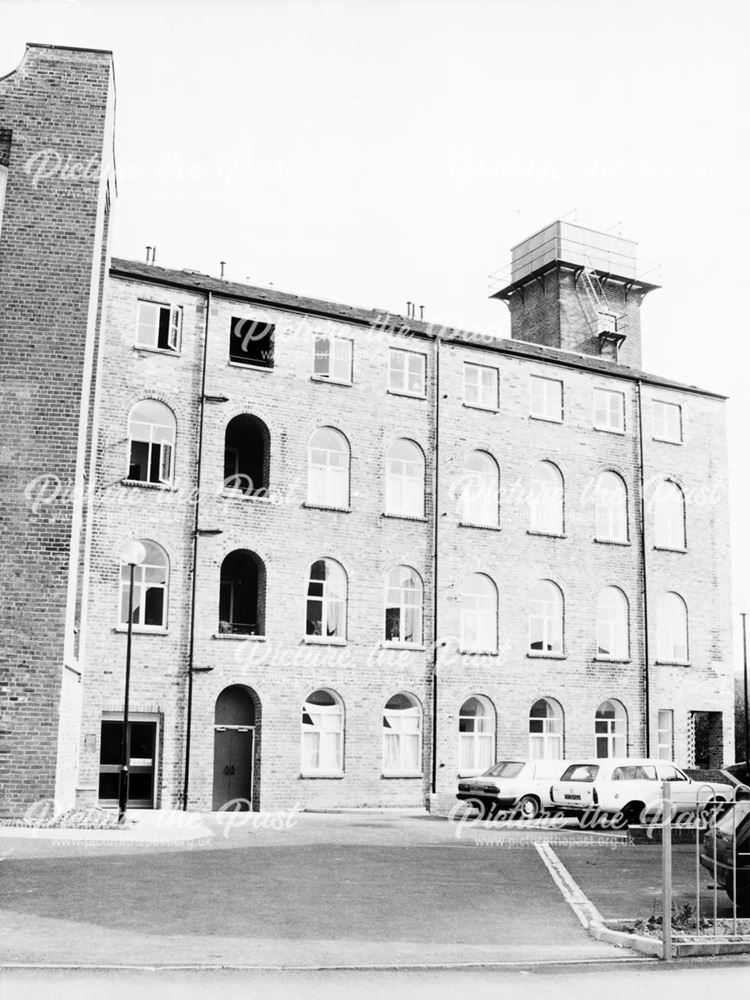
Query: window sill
[
  {"x": 475, "y": 524},
  {"x": 322, "y": 640},
  {"x": 664, "y": 548},
  {"x": 612, "y": 659},
  {"x": 672, "y": 663},
  {"x": 403, "y": 645},
  {"x": 330, "y": 381},
  {"x": 238, "y": 636},
  {"x": 144, "y": 484},
  {"x": 478, "y": 406},
  {"x": 666, "y": 440},
  {"x": 333, "y": 776},
  {"x": 401, "y": 774},
  {"x": 321, "y": 506},
  {"x": 544, "y": 534},
  {"x": 405, "y": 517},
  {"x": 239, "y": 495},
  {"x": 611, "y": 541},
  {"x": 547, "y": 420},
  {"x": 141, "y": 630},
  {"x": 407, "y": 395},
  {"x": 156, "y": 350},
  {"x": 610, "y": 430},
  {"x": 542, "y": 655},
  {"x": 478, "y": 652},
  {"x": 252, "y": 367}
]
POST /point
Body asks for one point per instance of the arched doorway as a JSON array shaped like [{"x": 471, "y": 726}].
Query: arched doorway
[{"x": 236, "y": 755}]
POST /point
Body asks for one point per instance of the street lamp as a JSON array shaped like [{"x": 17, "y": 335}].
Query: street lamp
[
  {"x": 132, "y": 555},
  {"x": 747, "y": 721}
]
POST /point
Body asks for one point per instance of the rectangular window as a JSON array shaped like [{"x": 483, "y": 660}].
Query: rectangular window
[
  {"x": 667, "y": 419},
  {"x": 665, "y": 737},
  {"x": 333, "y": 358},
  {"x": 406, "y": 373},
  {"x": 480, "y": 386},
  {"x": 159, "y": 326},
  {"x": 609, "y": 410},
  {"x": 251, "y": 342},
  {"x": 545, "y": 398}
]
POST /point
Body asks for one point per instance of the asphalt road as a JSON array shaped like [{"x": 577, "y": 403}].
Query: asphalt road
[{"x": 333, "y": 892}]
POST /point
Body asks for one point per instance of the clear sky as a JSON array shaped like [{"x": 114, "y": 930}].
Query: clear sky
[{"x": 379, "y": 152}]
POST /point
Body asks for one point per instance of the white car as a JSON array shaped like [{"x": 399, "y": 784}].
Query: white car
[
  {"x": 522, "y": 786},
  {"x": 632, "y": 787}
]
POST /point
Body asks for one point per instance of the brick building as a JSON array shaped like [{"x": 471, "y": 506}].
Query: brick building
[{"x": 378, "y": 554}]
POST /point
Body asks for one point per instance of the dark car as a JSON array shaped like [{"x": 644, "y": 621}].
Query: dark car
[
  {"x": 740, "y": 772},
  {"x": 725, "y": 853}
]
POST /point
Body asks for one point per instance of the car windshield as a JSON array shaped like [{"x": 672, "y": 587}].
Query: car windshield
[
  {"x": 580, "y": 772},
  {"x": 739, "y": 812},
  {"x": 505, "y": 769}
]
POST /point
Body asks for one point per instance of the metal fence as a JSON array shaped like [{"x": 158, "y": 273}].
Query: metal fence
[{"x": 720, "y": 837}]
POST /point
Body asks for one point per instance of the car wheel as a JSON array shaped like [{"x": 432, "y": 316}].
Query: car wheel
[
  {"x": 713, "y": 810},
  {"x": 631, "y": 814},
  {"x": 486, "y": 809},
  {"x": 529, "y": 807}
]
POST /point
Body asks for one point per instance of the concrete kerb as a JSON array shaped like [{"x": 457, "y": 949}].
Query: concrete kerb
[
  {"x": 587, "y": 913},
  {"x": 147, "y": 827},
  {"x": 603, "y": 930}
]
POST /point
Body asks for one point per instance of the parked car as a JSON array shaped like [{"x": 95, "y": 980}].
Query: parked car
[
  {"x": 631, "y": 787},
  {"x": 725, "y": 853},
  {"x": 521, "y": 786},
  {"x": 740, "y": 772}
]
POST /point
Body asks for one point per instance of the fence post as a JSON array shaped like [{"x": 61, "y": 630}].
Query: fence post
[{"x": 666, "y": 870}]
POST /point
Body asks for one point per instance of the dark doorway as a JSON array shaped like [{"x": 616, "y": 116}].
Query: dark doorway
[
  {"x": 235, "y": 750},
  {"x": 142, "y": 764},
  {"x": 708, "y": 739}
]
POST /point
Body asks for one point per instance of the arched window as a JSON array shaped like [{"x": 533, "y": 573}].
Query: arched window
[
  {"x": 476, "y": 736},
  {"x": 478, "y": 499},
  {"x": 479, "y": 614},
  {"x": 611, "y": 729},
  {"x": 326, "y": 600},
  {"x": 242, "y": 594},
  {"x": 611, "y": 506},
  {"x": 246, "y": 456},
  {"x": 612, "y": 624},
  {"x": 545, "y": 730},
  {"x": 322, "y": 734},
  {"x": 328, "y": 468},
  {"x": 402, "y": 735},
  {"x": 404, "y": 483},
  {"x": 546, "y": 618},
  {"x": 669, "y": 516},
  {"x": 151, "y": 434},
  {"x": 403, "y": 606},
  {"x": 546, "y": 492},
  {"x": 672, "y": 629},
  {"x": 150, "y": 588}
]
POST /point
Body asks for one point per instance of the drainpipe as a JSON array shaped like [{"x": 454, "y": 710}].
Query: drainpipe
[
  {"x": 191, "y": 650},
  {"x": 646, "y": 652},
  {"x": 435, "y": 538}
]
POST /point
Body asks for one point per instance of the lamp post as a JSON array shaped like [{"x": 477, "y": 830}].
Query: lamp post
[
  {"x": 132, "y": 555},
  {"x": 747, "y": 722}
]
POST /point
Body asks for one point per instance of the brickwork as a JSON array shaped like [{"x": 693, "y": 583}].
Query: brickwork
[
  {"x": 56, "y": 111},
  {"x": 282, "y": 669},
  {"x": 554, "y": 310}
]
